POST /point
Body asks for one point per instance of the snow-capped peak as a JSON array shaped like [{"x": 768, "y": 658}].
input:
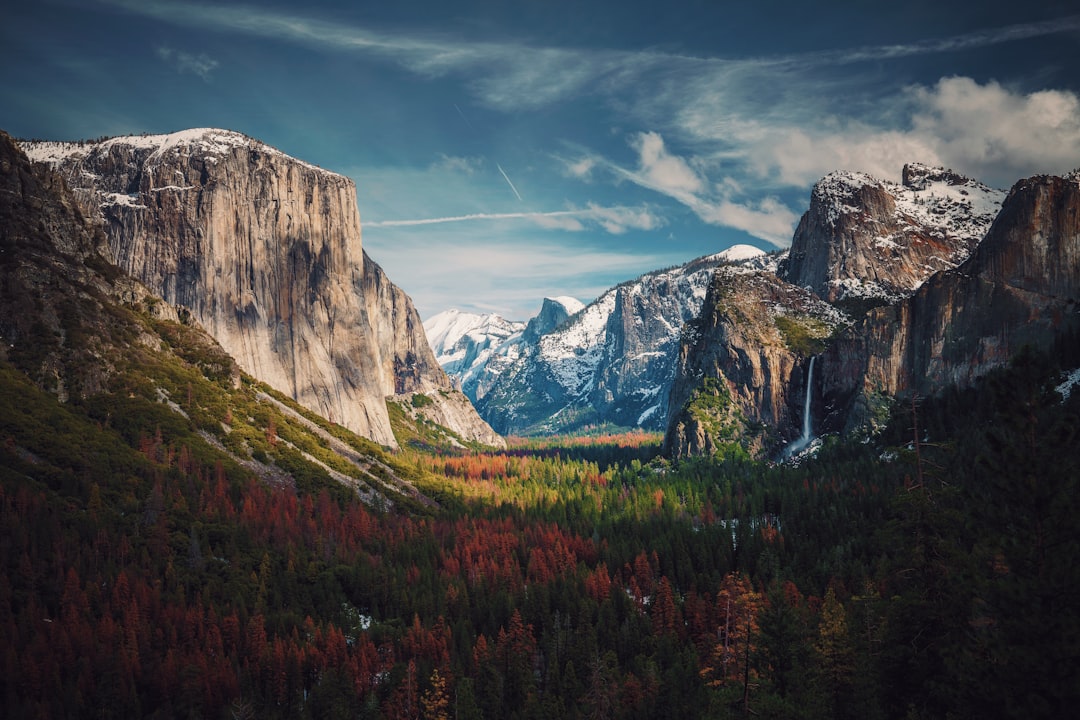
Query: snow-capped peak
[
  {"x": 736, "y": 253},
  {"x": 210, "y": 142},
  {"x": 571, "y": 304}
]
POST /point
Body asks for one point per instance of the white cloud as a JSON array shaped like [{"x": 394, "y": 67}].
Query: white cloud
[
  {"x": 984, "y": 130},
  {"x": 617, "y": 220},
  {"x": 768, "y": 219},
  {"x": 581, "y": 168},
  {"x": 459, "y": 165},
  {"x": 201, "y": 64},
  {"x": 663, "y": 171},
  {"x": 990, "y": 130}
]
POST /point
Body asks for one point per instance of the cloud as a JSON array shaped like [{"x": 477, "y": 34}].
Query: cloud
[
  {"x": 987, "y": 131},
  {"x": 515, "y": 76},
  {"x": 671, "y": 175},
  {"x": 457, "y": 165},
  {"x": 520, "y": 273},
  {"x": 615, "y": 220},
  {"x": 201, "y": 64},
  {"x": 663, "y": 171},
  {"x": 768, "y": 219}
]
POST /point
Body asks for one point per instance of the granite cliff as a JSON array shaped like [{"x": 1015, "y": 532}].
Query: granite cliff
[
  {"x": 264, "y": 252},
  {"x": 955, "y": 291},
  {"x": 742, "y": 369},
  {"x": 870, "y": 239},
  {"x": 1021, "y": 286}
]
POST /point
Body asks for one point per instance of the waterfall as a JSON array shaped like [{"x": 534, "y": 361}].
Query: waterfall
[{"x": 807, "y": 428}]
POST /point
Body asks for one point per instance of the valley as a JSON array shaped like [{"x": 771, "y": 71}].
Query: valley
[{"x": 236, "y": 481}]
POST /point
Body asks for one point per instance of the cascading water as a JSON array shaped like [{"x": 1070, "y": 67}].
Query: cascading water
[{"x": 804, "y": 440}]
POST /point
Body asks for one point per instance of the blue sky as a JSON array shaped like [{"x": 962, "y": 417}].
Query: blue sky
[{"x": 506, "y": 151}]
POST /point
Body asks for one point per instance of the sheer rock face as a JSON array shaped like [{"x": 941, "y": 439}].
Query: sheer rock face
[
  {"x": 265, "y": 252},
  {"x": 741, "y": 373},
  {"x": 868, "y": 238},
  {"x": 1020, "y": 286}
]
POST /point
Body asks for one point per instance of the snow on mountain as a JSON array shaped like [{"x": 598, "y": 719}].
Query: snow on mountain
[
  {"x": 208, "y": 143},
  {"x": 465, "y": 343},
  {"x": 870, "y": 238},
  {"x": 612, "y": 361},
  {"x": 736, "y": 253}
]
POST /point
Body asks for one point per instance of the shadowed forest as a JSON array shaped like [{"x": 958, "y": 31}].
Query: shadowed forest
[{"x": 929, "y": 572}]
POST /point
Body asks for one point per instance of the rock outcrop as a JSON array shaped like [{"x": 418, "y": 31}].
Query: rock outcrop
[
  {"x": 742, "y": 365},
  {"x": 264, "y": 251},
  {"x": 1020, "y": 287},
  {"x": 872, "y": 239}
]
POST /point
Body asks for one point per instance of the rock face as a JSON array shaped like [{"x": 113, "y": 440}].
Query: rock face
[
  {"x": 867, "y": 238},
  {"x": 264, "y": 251},
  {"x": 1020, "y": 287},
  {"x": 742, "y": 365},
  {"x": 611, "y": 362}
]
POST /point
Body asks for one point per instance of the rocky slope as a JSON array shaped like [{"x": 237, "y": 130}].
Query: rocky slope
[
  {"x": 612, "y": 362},
  {"x": 1020, "y": 286},
  {"x": 264, "y": 251},
  {"x": 130, "y": 376},
  {"x": 743, "y": 365},
  {"x": 873, "y": 239}
]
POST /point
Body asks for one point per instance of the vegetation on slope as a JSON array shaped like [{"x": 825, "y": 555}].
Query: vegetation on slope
[{"x": 183, "y": 545}]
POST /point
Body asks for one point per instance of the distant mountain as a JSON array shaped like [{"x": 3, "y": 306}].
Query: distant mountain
[
  {"x": 471, "y": 347},
  {"x": 264, "y": 252},
  {"x": 611, "y": 362}
]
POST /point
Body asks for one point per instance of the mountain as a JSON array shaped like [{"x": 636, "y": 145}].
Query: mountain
[
  {"x": 611, "y": 362},
  {"x": 1021, "y": 286},
  {"x": 864, "y": 238},
  {"x": 101, "y": 380},
  {"x": 264, "y": 252},
  {"x": 957, "y": 286}
]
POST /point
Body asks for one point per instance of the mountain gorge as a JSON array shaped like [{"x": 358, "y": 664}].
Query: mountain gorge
[
  {"x": 609, "y": 363},
  {"x": 264, "y": 252}
]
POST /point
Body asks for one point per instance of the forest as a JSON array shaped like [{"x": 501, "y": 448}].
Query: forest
[{"x": 928, "y": 572}]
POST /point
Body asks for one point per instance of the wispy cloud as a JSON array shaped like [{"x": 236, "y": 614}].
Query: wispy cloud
[
  {"x": 519, "y": 75},
  {"x": 201, "y": 64},
  {"x": 521, "y": 273},
  {"x": 614, "y": 220},
  {"x": 668, "y": 174}
]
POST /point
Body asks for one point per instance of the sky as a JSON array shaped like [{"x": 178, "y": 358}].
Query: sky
[{"x": 507, "y": 151}]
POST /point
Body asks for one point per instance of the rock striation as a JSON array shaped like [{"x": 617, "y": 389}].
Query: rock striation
[
  {"x": 864, "y": 238},
  {"x": 264, "y": 251}
]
